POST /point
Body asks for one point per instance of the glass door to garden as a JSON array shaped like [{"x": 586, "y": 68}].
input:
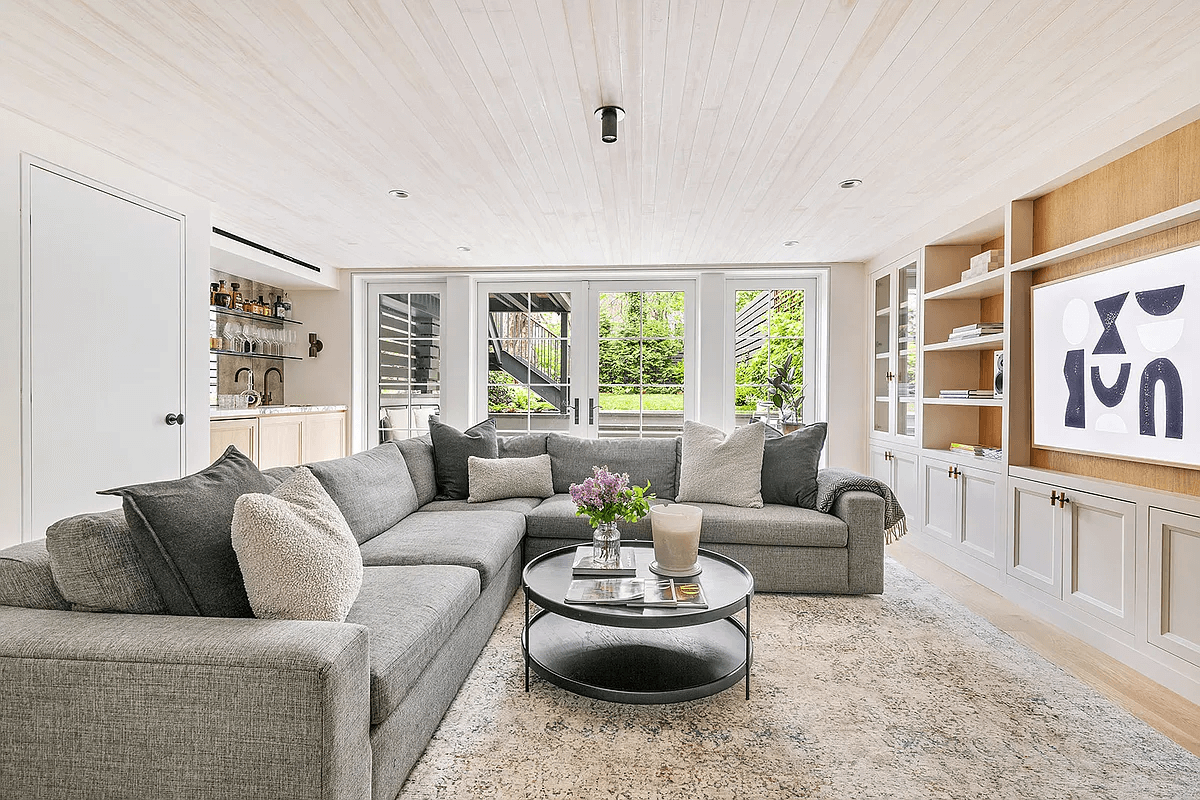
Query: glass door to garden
[
  {"x": 639, "y": 382},
  {"x": 532, "y": 356}
]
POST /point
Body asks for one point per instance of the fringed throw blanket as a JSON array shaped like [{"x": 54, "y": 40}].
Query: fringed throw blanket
[{"x": 833, "y": 482}]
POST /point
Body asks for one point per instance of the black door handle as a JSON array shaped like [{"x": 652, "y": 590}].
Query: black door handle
[
  {"x": 174, "y": 419},
  {"x": 576, "y": 410},
  {"x": 591, "y": 411}
]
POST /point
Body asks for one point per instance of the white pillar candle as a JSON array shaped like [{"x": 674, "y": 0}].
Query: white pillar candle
[{"x": 676, "y": 530}]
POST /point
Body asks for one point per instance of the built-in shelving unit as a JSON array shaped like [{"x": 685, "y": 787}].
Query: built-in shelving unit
[
  {"x": 229, "y": 312},
  {"x": 979, "y": 402},
  {"x": 240, "y": 354},
  {"x": 992, "y": 341}
]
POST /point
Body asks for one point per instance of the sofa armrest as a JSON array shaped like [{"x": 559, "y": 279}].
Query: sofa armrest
[
  {"x": 124, "y": 705},
  {"x": 863, "y": 514}
]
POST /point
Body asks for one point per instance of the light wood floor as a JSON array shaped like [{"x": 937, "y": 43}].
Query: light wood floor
[{"x": 1159, "y": 707}]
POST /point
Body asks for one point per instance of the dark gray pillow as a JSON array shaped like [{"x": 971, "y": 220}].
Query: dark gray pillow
[
  {"x": 181, "y": 529},
  {"x": 790, "y": 463},
  {"x": 524, "y": 445},
  {"x": 452, "y": 448},
  {"x": 372, "y": 489}
]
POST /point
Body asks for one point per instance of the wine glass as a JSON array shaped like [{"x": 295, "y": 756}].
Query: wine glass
[{"x": 233, "y": 336}]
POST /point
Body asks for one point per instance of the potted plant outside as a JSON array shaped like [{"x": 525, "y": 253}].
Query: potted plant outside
[{"x": 787, "y": 396}]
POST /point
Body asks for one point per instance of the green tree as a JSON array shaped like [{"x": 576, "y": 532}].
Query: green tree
[{"x": 784, "y": 335}]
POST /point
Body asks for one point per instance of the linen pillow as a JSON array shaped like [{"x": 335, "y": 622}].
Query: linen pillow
[
  {"x": 296, "y": 552},
  {"x": 790, "y": 464},
  {"x": 501, "y": 478},
  {"x": 181, "y": 529},
  {"x": 715, "y": 468},
  {"x": 96, "y": 565},
  {"x": 452, "y": 448}
]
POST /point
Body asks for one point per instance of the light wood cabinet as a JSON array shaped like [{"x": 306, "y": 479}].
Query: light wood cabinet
[
  {"x": 963, "y": 506},
  {"x": 1078, "y": 547},
  {"x": 281, "y": 440},
  {"x": 1174, "y": 613},
  {"x": 242, "y": 433}
]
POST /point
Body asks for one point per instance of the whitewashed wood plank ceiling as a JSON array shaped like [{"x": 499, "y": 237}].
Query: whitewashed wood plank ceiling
[{"x": 297, "y": 117}]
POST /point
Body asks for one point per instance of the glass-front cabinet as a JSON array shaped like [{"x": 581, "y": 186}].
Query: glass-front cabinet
[{"x": 894, "y": 352}]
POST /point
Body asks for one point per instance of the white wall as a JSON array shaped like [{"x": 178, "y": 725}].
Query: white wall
[
  {"x": 21, "y": 136},
  {"x": 326, "y": 379},
  {"x": 846, "y": 445}
]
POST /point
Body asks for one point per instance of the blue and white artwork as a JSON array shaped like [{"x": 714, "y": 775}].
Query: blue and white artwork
[{"x": 1116, "y": 361}]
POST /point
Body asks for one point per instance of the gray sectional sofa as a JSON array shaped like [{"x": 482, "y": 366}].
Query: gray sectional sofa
[{"x": 126, "y": 705}]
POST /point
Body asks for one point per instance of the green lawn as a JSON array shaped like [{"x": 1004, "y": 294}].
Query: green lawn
[{"x": 650, "y": 402}]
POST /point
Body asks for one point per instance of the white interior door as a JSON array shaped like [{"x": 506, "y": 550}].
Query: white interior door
[{"x": 103, "y": 302}]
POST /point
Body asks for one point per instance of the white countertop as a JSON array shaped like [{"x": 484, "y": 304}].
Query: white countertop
[{"x": 262, "y": 411}]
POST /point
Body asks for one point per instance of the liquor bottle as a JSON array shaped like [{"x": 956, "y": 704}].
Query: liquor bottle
[
  {"x": 287, "y": 307},
  {"x": 212, "y": 294},
  {"x": 262, "y": 307},
  {"x": 279, "y": 309},
  {"x": 238, "y": 303},
  {"x": 223, "y": 297}
]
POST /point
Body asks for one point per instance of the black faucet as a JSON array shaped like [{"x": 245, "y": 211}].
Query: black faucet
[
  {"x": 277, "y": 371},
  {"x": 237, "y": 376}
]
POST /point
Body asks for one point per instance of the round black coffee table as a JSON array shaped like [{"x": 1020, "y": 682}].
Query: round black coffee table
[{"x": 623, "y": 655}]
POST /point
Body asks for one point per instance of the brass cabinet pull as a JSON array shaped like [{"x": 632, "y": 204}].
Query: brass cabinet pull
[
  {"x": 890, "y": 375},
  {"x": 1054, "y": 497},
  {"x": 1062, "y": 500}
]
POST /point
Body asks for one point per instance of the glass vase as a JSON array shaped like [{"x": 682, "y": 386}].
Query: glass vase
[{"x": 606, "y": 545}]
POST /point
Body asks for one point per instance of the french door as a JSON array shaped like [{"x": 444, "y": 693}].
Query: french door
[
  {"x": 603, "y": 359},
  {"x": 405, "y": 370}
]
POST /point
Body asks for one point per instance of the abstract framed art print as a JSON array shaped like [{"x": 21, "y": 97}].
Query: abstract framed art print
[{"x": 1116, "y": 361}]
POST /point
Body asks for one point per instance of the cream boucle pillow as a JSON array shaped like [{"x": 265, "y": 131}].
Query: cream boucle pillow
[
  {"x": 501, "y": 478},
  {"x": 715, "y": 468},
  {"x": 296, "y": 552}
]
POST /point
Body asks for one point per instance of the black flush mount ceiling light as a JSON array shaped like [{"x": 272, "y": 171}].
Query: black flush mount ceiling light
[
  {"x": 850, "y": 183},
  {"x": 609, "y": 116}
]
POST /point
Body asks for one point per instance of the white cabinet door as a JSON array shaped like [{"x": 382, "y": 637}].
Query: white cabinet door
[
  {"x": 982, "y": 514},
  {"x": 881, "y": 465},
  {"x": 939, "y": 509},
  {"x": 1035, "y": 546},
  {"x": 905, "y": 479},
  {"x": 1099, "y": 536},
  {"x": 1174, "y": 589},
  {"x": 105, "y": 366}
]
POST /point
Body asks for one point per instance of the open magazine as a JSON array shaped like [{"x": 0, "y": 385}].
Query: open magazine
[{"x": 641, "y": 592}]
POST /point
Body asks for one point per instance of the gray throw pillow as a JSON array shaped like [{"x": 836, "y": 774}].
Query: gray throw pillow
[
  {"x": 418, "y": 455},
  {"x": 373, "y": 489},
  {"x": 501, "y": 478},
  {"x": 296, "y": 552},
  {"x": 181, "y": 530},
  {"x": 790, "y": 464},
  {"x": 97, "y": 567},
  {"x": 452, "y": 448},
  {"x": 715, "y": 468}
]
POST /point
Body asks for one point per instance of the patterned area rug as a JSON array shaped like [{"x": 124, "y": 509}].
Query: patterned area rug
[{"x": 908, "y": 695}]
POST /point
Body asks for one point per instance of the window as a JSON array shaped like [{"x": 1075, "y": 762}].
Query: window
[
  {"x": 774, "y": 352},
  {"x": 409, "y": 362},
  {"x": 529, "y": 360}
]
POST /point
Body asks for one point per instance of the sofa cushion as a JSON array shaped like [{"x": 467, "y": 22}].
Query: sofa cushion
[
  {"x": 297, "y": 554},
  {"x": 25, "y": 579},
  {"x": 277, "y": 475},
  {"x": 771, "y": 525},
  {"x": 520, "y": 505},
  {"x": 410, "y": 612},
  {"x": 418, "y": 455},
  {"x": 181, "y": 530},
  {"x": 501, "y": 478},
  {"x": 483, "y": 542},
  {"x": 721, "y": 468},
  {"x": 452, "y": 448},
  {"x": 554, "y": 518},
  {"x": 522, "y": 445},
  {"x": 373, "y": 489},
  {"x": 97, "y": 567},
  {"x": 572, "y": 459},
  {"x": 790, "y": 464}
]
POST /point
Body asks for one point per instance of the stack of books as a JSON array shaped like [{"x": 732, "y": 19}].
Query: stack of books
[
  {"x": 975, "y": 330},
  {"x": 976, "y": 450},
  {"x": 584, "y": 566},
  {"x": 983, "y": 263},
  {"x": 963, "y": 394},
  {"x": 637, "y": 592}
]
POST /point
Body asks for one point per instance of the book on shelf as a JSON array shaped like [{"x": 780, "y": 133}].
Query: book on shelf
[
  {"x": 988, "y": 260},
  {"x": 974, "y": 331},
  {"x": 978, "y": 326},
  {"x": 967, "y": 393},
  {"x": 606, "y": 591},
  {"x": 637, "y": 592},
  {"x": 976, "y": 450},
  {"x": 585, "y": 566}
]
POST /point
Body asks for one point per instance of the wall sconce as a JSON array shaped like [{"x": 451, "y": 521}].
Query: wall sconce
[
  {"x": 609, "y": 117},
  {"x": 315, "y": 345}
]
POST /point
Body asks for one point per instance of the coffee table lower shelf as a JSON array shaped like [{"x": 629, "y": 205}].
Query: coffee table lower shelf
[{"x": 637, "y": 665}]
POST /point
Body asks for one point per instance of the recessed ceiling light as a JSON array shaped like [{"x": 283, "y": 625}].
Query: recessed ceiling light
[
  {"x": 398, "y": 193},
  {"x": 850, "y": 183},
  {"x": 464, "y": 248},
  {"x": 790, "y": 243}
]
